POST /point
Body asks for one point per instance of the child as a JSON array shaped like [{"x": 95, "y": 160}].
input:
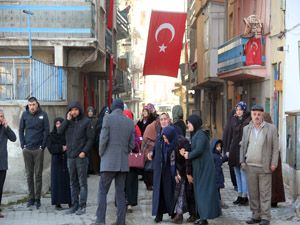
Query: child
[
  {"x": 184, "y": 192},
  {"x": 219, "y": 159}
]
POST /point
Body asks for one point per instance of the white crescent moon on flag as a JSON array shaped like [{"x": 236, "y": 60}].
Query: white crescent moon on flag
[{"x": 167, "y": 26}]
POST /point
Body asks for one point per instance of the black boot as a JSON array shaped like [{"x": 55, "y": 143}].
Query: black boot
[
  {"x": 244, "y": 202},
  {"x": 158, "y": 218},
  {"x": 238, "y": 200}
]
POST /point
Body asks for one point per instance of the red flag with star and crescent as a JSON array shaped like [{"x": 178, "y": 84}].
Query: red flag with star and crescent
[{"x": 164, "y": 43}]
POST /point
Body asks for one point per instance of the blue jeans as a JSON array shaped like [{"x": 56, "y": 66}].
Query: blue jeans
[
  {"x": 78, "y": 180},
  {"x": 241, "y": 181}
]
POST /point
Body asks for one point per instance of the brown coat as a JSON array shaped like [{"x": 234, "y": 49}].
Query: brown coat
[
  {"x": 270, "y": 147},
  {"x": 149, "y": 137}
]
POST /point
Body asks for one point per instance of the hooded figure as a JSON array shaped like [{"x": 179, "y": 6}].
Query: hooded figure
[
  {"x": 219, "y": 159},
  {"x": 177, "y": 115},
  {"x": 79, "y": 139},
  {"x": 60, "y": 181},
  {"x": 207, "y": 201}
]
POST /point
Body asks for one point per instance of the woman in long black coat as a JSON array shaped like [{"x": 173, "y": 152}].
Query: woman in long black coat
[
  {"x": 60, "y": 182},
  {"x": 206, "y": 194}
]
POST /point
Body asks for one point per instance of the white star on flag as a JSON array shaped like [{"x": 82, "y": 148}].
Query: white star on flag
[{"x": 162, "y": 48}]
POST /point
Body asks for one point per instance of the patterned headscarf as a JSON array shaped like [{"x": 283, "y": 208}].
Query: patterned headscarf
[{"x": 242, "y": 105}]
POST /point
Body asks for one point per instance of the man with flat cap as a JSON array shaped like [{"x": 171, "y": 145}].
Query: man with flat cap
[{"x": 259, "y": 157}]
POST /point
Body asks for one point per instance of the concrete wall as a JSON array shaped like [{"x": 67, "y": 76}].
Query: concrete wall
[{"x": 15, "y": 180}]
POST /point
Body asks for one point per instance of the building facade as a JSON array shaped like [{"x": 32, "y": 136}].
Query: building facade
[{"x": 57, "y": 51}]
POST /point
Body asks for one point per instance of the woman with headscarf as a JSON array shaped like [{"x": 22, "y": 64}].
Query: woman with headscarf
[
  {"x": 145, "y": 120},
  {"x": 164, "y": 170},
  {"x": 94, "y": 159},
  {"x": 234, "y": 136},
  {"x": 60, "y": 181},
  {"x": 177, "y": 116},
  {"x": 205, "y": 190}
]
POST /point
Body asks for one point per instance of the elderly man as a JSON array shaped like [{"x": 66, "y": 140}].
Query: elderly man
[
  {"x": 116, "y": 141},
  {"x": 5, "y": 134},
  {"x": 259, "y": 157},
  {"x": 33, "y": 133}
]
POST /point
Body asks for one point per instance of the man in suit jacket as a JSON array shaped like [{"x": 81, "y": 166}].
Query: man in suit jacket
[
  {"x": 259, "y": 156},
  {"x": 116, "y": 141}
]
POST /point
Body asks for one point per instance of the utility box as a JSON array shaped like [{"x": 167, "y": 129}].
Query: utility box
[{"x": 293, "y": 139}]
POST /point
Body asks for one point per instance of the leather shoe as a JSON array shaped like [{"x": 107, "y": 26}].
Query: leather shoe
[
  {"x": 253, "y": 221},
  {"x": 264, "y": 222},
  {"x": 1, "y": 215}
]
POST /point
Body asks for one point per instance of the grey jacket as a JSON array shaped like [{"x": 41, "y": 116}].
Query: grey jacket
[
  {"x": 270, "y": 147},
  {"x": 5, "y": 134},
  {"x": 116, "y": 141}
]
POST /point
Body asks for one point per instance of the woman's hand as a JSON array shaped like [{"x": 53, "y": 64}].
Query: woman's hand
[
  {"x": 190, "y": 179},
  {"x": 149, "y": 156},
  {"x": 178, "y": 178},
  {"x": 186, "y": 155}
]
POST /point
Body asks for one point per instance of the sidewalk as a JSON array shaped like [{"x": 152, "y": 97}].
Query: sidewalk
[{"x": 47, "y": 215}]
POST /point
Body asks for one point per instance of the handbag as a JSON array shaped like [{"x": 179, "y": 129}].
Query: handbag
[{"x": 136, "y": 160}]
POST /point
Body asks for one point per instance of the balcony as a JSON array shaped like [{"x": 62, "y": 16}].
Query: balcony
[
  {"x": 232, "y": 61},
  {"x": 122, "y": 25},
  {"x": 50, "y": 20}
]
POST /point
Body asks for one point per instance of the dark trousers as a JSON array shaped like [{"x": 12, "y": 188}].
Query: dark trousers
[
  {"x": 232, "y": 176},
  {"x": 78, "y": 180},
  {"x": 132, "y": 186},
  {"x": 34, "y": 161},
  {"x": 104, "y": 185},
  {"x": 148, "y": 178},
  {"x": 2, "y": 179}
]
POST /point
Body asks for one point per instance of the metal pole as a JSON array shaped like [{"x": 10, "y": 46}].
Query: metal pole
[
  {"x": 29, "y": 33},
  {"x": 29, "y": 13}
]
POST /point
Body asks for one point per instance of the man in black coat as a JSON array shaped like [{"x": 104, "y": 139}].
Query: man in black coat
[
  {"x": 79, "y": 138},
  {"x": 5, "y": 134},
  {"x": 33, "y": 133}
]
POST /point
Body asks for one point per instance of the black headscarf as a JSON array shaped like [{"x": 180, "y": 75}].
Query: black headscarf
[
  {"x": 196, "y": 121},
  {"x": 55, "y": 120}
]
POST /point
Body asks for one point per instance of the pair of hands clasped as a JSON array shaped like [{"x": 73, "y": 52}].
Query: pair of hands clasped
[{"x": 178, "y": 178}]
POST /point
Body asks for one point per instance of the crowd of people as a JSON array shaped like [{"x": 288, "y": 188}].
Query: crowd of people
[{"x": 184, "y": 174}]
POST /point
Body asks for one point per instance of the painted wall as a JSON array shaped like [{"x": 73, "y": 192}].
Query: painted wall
[{"x": 291, "y": 84}]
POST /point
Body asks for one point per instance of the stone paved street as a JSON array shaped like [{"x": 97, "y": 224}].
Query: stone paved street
[{"x": 18, "y": 214}]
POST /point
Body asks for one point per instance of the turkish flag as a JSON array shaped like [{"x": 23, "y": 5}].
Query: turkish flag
[
  {"x": 164, "y": 43},
  {"x": 253, "y": 52}
]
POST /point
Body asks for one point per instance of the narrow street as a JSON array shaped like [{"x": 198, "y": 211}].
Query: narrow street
[{"x": 47, "y": 215}]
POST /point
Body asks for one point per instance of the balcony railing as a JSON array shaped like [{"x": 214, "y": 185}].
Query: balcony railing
[
  {"x": 122, "y": 26},
  {"x": 21, "y": 78},
  {"x": 231, "y": 55}
]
